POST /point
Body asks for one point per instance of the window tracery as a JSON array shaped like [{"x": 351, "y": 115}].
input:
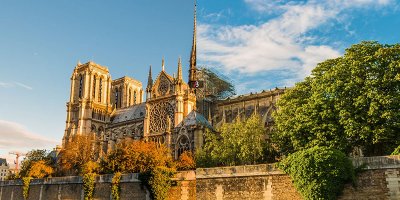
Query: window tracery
[
  {"x": 163, "y": 87},
  {"x": 158, "y": 116},
  {"x": 183, "y": 144}
]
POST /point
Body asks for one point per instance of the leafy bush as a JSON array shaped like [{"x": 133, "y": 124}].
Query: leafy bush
[
  {"x": 115, "y": 187},
  {"x": 136, "y": 156},
  {"x": 158, "y": 181},
  {"x": 396, "y": 151},
  {"x": 90, "y": 167},
  {"x": 40, "y": 169},
  {"x": 186, "y": 161},
  {"x": 318, "y": 172},
  {"x": 88, "y": 185}
]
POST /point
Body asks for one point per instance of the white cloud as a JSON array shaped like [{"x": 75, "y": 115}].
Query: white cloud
[
  {"x": 283, "y": 43},
  {"x": 15, "y": 137},
  {"x": 15, "y": 84}
]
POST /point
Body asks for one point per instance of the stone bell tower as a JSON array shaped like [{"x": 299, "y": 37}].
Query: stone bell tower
[{"x": 89, "y": 105}]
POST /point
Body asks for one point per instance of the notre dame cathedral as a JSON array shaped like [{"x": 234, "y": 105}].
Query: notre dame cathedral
[{"x": 166, "y": 111}]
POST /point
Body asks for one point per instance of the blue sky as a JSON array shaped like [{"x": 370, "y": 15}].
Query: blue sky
[{"x": 259, "y": 44}]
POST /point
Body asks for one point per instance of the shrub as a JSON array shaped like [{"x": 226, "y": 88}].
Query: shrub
[
  {"x": 186, "y": 161},
  {"x": 90, "y": 167},
  {"x": 318, "y": 172},
  {"x": 158, "y": 181},
  {"x": 40, "y": 169},
  {"x": 136, "y": 156},
  {"x": 396, "y": 151}
]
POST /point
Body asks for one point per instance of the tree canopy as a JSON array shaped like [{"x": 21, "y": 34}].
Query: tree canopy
[
  {"x": 350, "y": 101},
  {"x": 76, "y": 154},
  {"x": 240, "y": 143}
]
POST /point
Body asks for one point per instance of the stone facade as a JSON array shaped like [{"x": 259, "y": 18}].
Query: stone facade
[
  {"x": 112, "y": 110},
  {"x": 4, "y": 169},
  {"x": 164, "y": 112}
]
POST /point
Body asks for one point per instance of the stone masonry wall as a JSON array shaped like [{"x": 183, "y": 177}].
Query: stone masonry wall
[
  {"x": 379, "y": 180},
  {"x": 71, "y": 188}
]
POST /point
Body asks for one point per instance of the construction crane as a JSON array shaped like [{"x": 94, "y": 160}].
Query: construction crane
[{"x": 17, "y": 155}]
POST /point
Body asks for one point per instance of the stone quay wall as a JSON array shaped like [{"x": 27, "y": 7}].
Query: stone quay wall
[
  {"x": 379, "y": 180},
  {"x": 71, "y": 188}
]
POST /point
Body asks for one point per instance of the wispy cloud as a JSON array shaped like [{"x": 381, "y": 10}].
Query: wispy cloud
[
  {"x": 16, "y": 137},
  {"x": 284, "y": 43},
  {"x": 15, "y": 84}
]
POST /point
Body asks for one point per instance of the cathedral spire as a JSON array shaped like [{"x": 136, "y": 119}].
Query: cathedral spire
[
  {"x": 179, "y": 74},
  {"x": 192, "y": 70}
]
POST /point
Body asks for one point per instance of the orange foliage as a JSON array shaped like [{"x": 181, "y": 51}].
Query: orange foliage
[
  {"x": 186, "y": 161},
  {"x": 40, "y": 169},
  {"x": 75, "y": 154},
  {"x": 136, "y": 156}
]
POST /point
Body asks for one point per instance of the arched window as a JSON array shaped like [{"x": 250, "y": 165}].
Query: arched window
[
  {"x": 120, "y": 97},
  {"x": 94, "y": 86},
  {"x": 183, "y": 145},
  {"x": 129, "y": 96},
  {"x": 80, "y": 86},
  {"x": 134, "y": 97},
  {"x": 100, "y": 89},
  {"x": 116, "y": 97}
]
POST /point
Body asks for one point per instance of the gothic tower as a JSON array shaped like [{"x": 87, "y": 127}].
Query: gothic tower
[{"x": 89, "y": 105}]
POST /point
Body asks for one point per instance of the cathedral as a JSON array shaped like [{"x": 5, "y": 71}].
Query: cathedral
[{"x": 166, "y": 111}]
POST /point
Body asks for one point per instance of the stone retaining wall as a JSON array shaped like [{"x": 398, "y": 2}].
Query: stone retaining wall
[{"x": 379, "y": 180}]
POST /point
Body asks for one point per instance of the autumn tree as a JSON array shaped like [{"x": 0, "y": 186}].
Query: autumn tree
[
  {"x": 351, "y": 101},
  {"x": 33, "y": 157},
  {"x": 40, "y": 169},
  {"x": 136, "y": 156},
  {"x": 186, "y": 161},
  {"x": 76, "y": 154}
]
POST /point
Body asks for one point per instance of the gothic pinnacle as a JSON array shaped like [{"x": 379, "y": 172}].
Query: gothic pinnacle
[
  {"x": 163, "y": 63},
  {"x": 179, "y": 73},
  {"x": 149, "y": 80}
]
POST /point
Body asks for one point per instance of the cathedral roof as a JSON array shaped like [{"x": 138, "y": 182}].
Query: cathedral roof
[
  {"x": 130, "y": 113},
  {"x": 195, "y": 118}
]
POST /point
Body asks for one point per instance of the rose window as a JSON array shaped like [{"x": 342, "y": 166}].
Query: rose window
[{"x": 158, "y": 116}]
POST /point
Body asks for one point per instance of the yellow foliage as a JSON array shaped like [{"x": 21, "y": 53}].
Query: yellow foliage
[
  {"x": 136, "y": 156},
  {"x": 40, "y": 169},
  {"x": 186, "y": 161}
]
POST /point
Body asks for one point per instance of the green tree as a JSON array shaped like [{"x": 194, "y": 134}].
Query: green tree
[
  {"x": 239, "y": 143},
  {"x": 351, "y": 101},
  {"x": 32, "y": 157}
]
